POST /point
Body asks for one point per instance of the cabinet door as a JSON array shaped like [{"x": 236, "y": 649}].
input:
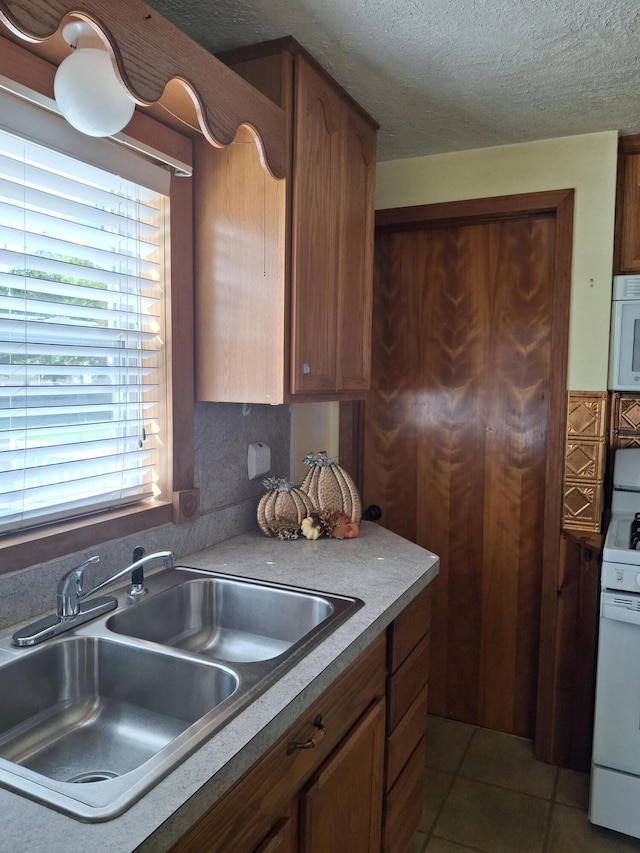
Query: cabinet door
[
  {"x": 282, "y": 838},
  {"x": 355, "y": 255},
  {"x": 341, "y": 807},
  {"x": 317, "y": 169},
  {"x": 572, "y": 699},
  {"x": 630, "y": 254}
]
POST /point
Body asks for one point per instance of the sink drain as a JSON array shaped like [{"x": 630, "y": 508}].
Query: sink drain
[{"x": 96, "y": 776}]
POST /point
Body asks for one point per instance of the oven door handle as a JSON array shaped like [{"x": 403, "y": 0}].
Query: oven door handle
[{"x": 621, "y": 614}]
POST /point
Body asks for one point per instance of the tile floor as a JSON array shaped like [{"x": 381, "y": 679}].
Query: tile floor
[{"x": 485, "y": 792}]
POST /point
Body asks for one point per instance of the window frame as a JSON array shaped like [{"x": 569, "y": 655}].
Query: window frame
[{"x": 27, "y": 548}]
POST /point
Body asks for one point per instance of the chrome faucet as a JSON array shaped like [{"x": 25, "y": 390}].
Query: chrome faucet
[{"x": 72, "y": 608}]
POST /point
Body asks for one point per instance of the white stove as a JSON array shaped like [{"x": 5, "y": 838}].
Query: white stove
[
  {"x": 615, "y": 772},
  {"x": 621, "y": 562},
  {"x": 621, "y": 552}
]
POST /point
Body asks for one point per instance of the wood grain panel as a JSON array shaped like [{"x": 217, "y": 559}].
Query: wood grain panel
[
  {"x": 630, "y": 245},
  {"x": 575, "y": 664},
  {"x": 409, "y": 628},
  {"x": 355, "y": 266},
  {"x": 405, "y": 685},
  {"x": 456, "y": 442},
  {"x": 283, "y": 837},
  {"x": 320, "y": 118},
  {"x": 404, "y": 803},
  {"x": 406, "y": 736},
  {"x": 389, "y": 446},
  {"x": 347, "y": 814},
  {"x": 241, "y": 301}
]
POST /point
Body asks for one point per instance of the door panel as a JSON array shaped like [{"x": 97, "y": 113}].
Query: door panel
[
  {"x": 341, "y": 808},
  {"x": 455, "y": 445},
  {"x": 320, "y": 118}
]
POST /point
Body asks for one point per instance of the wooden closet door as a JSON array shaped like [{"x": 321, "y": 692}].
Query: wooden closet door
[{"x": 456, "y": 443}]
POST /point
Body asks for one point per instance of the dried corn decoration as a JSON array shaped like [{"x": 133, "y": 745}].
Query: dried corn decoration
[
  {"x": 330, "y": 487},
  {"x": 283, "y": 505}
]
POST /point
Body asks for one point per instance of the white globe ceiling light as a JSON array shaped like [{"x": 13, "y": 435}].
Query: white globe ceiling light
[{"x": 86, "y": 89}]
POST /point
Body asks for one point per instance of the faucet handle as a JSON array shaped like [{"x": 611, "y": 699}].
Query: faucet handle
[{"x": 70, "y": 587}]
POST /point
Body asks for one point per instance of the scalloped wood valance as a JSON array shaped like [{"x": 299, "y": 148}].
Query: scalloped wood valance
[{"x": 149, "y": 53}]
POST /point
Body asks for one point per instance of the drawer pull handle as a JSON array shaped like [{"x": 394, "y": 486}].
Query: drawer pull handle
[{"x": 311, "y": 742}]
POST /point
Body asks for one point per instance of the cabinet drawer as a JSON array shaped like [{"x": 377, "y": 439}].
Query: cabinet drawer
[
  {"x": 408, "y": 681},
  {"x": 243, "y": 817},
  {"x": 409, "y": 628},
  {"x": 407, "y": 735},
  {"x": 404, "y": 803}
]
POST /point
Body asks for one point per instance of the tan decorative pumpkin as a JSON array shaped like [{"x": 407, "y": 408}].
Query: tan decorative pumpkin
[
  {"x": 330, "y": 487},
  {"x": 283, "y": 502}
]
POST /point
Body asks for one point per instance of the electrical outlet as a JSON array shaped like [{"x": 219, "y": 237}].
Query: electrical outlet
[{"x": 258, "y": 459}]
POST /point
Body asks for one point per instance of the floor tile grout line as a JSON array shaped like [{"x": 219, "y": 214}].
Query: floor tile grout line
[
  {"x": 546, "y": 840},
  {"x": 454, "y": 776},
  {"x": 500, "y": 787},
  {"x": 458, "y": 844}
]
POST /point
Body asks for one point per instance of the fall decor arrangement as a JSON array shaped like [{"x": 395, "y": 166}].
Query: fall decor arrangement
[
  {"x": 330, "y": 487},
  {"x": 328, "y": 523},
  {"x": 327, "y": 503},
  {"x": 282, "y": 508}
]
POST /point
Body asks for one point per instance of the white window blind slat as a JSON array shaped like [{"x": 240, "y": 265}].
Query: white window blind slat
[
  {"x": 42, "y": 200},
  {"x": 42, "y": 454},
  {"x": 15, "y": 331},
  {"x": 83, "y": 197},
  {"x": 35, "y": 225},
  {"x": 82, "y": 375}
]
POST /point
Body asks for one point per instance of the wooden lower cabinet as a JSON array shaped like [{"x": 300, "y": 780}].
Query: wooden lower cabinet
[
  {"x": 404, "y": 803},
  {"x": 341, "y": 809},
  {"x": 283, "y": 837},
  {"x": 407, "y": 695},
  {"x": 305, "y": 793},
  {"x": 359, "y": 788}
]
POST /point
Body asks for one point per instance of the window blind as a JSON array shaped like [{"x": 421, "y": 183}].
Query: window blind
[{"x": 82, "y": 361}]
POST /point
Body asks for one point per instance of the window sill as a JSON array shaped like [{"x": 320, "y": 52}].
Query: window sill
[{"x": 38, "y": 546}]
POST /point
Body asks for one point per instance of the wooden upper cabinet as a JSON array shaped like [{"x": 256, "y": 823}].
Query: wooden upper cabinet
[
  {"x": 333, "y": 181},
  {"x": 319, "y": 135},
  {"x": 627, "y": 232},
  {"x": 309, "y": 308},
  {"x": 355, "y": 257},
  {"x": 630, "y": 259}
]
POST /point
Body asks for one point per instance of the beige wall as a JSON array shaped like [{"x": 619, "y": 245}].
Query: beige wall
[
  {"x": 314, "y": 427},
  {"x": 585, "y": 163}
]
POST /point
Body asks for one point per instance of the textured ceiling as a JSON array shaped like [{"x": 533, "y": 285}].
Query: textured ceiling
[{"x": 447, "y": 75}]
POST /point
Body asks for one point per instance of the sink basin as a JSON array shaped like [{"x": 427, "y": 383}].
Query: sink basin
[
  {"x": 89, "y": 710},
  {"x": 92, "y": 719},
  {"x": 226, "y": 618}
]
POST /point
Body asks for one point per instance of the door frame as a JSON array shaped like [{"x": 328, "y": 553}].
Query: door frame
[{"x": 558, "y": 204}]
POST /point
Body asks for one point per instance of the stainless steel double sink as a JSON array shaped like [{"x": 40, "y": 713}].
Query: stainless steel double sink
[{"x": 91, "y": 720}]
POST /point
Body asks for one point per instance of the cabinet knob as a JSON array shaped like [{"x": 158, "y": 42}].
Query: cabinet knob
[
  {"x": 372, "y": 513},
  {"x": 312, "y": 741}
]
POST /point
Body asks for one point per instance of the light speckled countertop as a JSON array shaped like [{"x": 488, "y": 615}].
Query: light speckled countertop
[{"x": 382, "y": 569}]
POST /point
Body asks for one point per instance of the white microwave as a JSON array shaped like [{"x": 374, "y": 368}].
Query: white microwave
[{"x": 624, "y": 356}]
